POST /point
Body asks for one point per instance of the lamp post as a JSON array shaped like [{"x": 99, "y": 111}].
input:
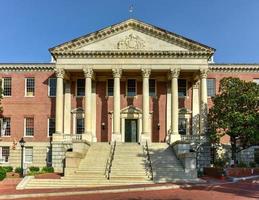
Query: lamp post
[{"x": 22, "y": 142}]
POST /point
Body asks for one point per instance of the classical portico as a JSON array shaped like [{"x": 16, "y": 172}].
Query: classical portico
[{"x": 131, "y": 67}]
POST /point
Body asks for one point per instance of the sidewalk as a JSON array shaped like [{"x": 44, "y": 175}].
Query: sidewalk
[{"x": 8, "y": 189}]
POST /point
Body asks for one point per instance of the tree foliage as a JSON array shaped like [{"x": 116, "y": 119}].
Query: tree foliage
[{"x": 236, "y": 113}]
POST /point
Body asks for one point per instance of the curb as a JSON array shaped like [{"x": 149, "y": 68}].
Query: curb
[
  {"x": 235, "y": 179},
  {"x": 52, "y": 194}
]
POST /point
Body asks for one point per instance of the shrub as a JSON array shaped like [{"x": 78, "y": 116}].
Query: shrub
[
  {"x": 34, "y": 169},
  {"x": 220, "y": 162},
  {"x": 8, "y": 168},
  {"x": 252, "y": 164},
  {"x": 2, "y": 174},
  {"x": 47, "y": 169},
  {"x": 242, "y": 165},
  {"x": 18, "y": 170}
]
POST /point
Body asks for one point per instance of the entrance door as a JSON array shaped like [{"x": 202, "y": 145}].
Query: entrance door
[{"x": 131, "y": 130}]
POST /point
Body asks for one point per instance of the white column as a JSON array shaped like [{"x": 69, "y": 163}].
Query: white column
[
  {"x": 195, "y": 107},
  {"x": 116, "y": 134},
  {"x": 203, "y": 102},
  {"x": 88, "y": 72},
  {"x": 60, "y": 73},
  {"x": 67, "y": 109},
  {"x": 174, "y": 105},
  {"x": 146, "y": 135}
]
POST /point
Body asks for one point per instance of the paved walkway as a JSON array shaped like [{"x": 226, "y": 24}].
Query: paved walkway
[{"x": 213, "y": 191}]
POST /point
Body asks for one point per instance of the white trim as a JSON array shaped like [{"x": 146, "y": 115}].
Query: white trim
[
  {"x": 2, "y": 85},
  {"x": 49, "y": 87},
  {"x": 2, "y": 160},
  {"x": 24, "y": 127},
  {"x": 214, "y": 87},
  {"x": 24, "y": 155},
  {"x": 25, "y": 88},
  {"x": 186, "y": 88}
]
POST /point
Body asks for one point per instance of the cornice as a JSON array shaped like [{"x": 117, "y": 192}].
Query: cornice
[
  {"x": 135, "y": 25},
  {"x": 132, "y": 54},
  {"x": 27, "y": 67},
  {"x": 234, "y": 68}
]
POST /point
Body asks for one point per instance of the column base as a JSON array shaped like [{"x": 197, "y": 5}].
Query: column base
[
  {"x": 57, "y": 137},
  {"x": 145, "y": 137},
  {"x": 87, "y": 136},
  {"x": 116, "y": 137},
  {"x": 174, "y": 137}
]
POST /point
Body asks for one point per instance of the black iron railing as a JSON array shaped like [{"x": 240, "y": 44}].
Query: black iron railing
[{"x": 109, "y": 161}]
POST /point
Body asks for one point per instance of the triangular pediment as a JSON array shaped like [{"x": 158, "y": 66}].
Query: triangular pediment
[
  {"x": 131, "y": 36},
  {"x": 131, "y": 110}
]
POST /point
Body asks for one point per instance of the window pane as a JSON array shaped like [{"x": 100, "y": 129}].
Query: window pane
[
  {"x": 182, "y": 87},
  {"x": 29, "y": 126},
  {"x": 152, "y": 87},
  {"x": 182, "y": 126},
  {"x": 7, "y": 86},
  {"x": 80, "y": 126},
  {"x": 131, "y": 90},
  {"x": 6, "y": 130},
  {"x": 28, "y": 154},
  {"x": 211, "y": 87},
  {"x": 52, "y": 128},
  {"x": 30, "y": 87},
  {"x": 80, "y": 87},
  {"x": 52, "y": 86},
  {"x": 5, "y": 153},
  {"x": 110, "y": 87}
]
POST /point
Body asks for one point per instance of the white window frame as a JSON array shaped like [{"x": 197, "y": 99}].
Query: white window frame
[
  {"x": 2, "y": 160},
  {"x": 76, "y": 89},
  {"x": 24, "y": 123},
  {"x": 49, "y": 87},
  {"x": 214, "y": 87},
  {"x": 186, "y": 88},
  {"x": 136, "y": 88},
  {"x": 24, "y": 155},
  {"x": 2, "y": 127},
  {"x": 3, "y": 87},
  {"x": 25, "y": 89}
]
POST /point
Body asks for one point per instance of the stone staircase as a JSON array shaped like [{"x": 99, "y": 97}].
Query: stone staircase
[
  {"x": 129, "y": 164},
  {"x": 165, "y": 166}
]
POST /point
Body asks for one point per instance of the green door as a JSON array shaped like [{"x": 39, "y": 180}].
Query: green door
[{"x": 131, "y": 130}]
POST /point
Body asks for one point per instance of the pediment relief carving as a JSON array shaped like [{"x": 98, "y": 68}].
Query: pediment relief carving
[
  {"x": 131, "y": 110},
  {"x": 131, "y": 42}
]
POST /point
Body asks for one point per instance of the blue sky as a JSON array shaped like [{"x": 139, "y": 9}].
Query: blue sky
[{"x": 28, "y": 28}]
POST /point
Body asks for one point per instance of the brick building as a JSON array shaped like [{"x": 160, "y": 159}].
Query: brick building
[{"x": 130, "y": 82}]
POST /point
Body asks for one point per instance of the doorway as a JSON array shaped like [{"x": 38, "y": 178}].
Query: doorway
[{"x": 131, "y": 130}]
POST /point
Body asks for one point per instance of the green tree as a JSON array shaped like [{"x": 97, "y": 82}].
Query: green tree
[{"x": 236, "y": 113}]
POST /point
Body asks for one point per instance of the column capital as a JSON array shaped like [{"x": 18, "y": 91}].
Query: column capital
[
  {"x": 88, "y": 72},
  {"x": 196, "y": 84},
  {"x": 60, "y": 73},
  {"x": 174, "y": 73},
  {"x": 116, "y": 72},
  {"x": 203, "y": 73},
  {"x": 146, "y": 72}
]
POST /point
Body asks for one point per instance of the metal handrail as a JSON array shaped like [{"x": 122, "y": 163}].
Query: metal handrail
[
  {"x": 109, "y": 161},
  {"x": 149, "y": 161}
]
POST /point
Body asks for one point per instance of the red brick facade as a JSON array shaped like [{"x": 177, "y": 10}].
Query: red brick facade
[{"x": 41, "y": 106}]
